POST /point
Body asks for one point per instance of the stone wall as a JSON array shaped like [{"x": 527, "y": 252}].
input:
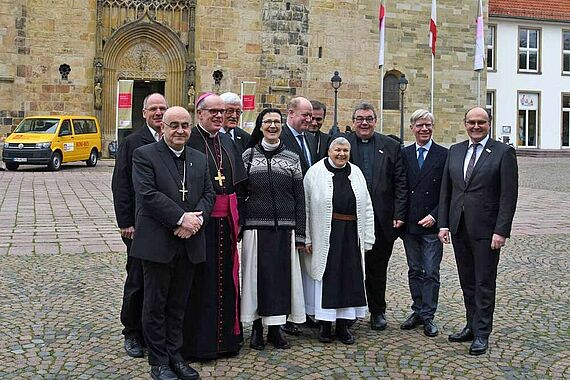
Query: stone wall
[{"x": 288, "y": 47}]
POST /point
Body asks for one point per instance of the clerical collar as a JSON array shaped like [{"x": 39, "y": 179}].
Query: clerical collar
[
  {"x": 364, "y": 141},
  {"x": 178, "y": 153},
  {"x": 206, "y": 132}
]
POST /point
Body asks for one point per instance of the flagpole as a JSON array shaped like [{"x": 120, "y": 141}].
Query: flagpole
[
  {"x": 479, "y": 87},
  {"x": 382, "y": 99},
  {"x": 432, "y": 83}
]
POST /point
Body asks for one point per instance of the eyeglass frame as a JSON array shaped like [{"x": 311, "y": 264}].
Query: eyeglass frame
[
  {"x": 369, "y": 119},
  {"x": 214, "y": 111}
]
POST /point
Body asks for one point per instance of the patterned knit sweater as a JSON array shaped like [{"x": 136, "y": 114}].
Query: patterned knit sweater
[{"x": 276, "y": 198}]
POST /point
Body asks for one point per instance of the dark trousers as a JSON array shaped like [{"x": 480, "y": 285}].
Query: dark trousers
[
  {"x": 376, "y": 265},
  {"x": 477, "y": 267},
  {"x": 423, "y": 253},
  {"x": 133, "y": 294},
  {"x": 166, "y": 290}
]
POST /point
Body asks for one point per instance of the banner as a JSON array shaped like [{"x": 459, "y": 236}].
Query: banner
[
  {"x": 247, "y": 122},
  {"x": 479, "y": 62},
  {"x": 433, "y": 27},
  {"x": 382, "y": 30},
  {"x": 124, "y": 104}
]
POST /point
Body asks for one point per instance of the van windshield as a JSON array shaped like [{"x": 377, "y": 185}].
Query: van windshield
[{"x": 47, "y": 126}]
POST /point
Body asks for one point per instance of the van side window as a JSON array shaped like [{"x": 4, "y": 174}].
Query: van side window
[
  {"x": 90, "y": 126},
  {"x": 78, "y": 127},
  {"x": 65, "y": 129}
]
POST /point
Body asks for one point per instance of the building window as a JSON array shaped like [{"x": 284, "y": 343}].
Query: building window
[
  {"x": 490, "y": 106},
  {"x": 566, "y": 52},
  {"x": 491, "y": 46},
  {"x": 527, "y": 127},
  {"x": 529, "y": 50},
  {"x": 565, "y": 120},
  {"x": 391, "y": 90}
]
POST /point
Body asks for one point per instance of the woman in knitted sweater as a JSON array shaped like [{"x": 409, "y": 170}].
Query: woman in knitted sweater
[
  {"x": 340, "y": 228},
  {"x": 273, "y": 229}
]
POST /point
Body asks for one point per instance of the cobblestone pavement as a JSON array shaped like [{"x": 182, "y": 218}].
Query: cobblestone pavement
[{"x": 62, "y": 271}]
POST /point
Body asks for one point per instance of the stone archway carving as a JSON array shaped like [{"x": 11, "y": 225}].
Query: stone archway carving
[{"x": 143, "y": 49}]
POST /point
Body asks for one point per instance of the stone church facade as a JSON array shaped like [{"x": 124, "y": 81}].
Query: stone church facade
[{"x": 65, "y": 57}]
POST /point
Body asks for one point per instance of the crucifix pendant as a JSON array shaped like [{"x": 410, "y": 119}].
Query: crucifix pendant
[
  {"x": 183, "y": 191},
  {"x": 220, "y": 178}
]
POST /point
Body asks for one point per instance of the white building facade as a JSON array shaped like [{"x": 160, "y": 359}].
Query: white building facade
[{"x": 528, "y": 81}]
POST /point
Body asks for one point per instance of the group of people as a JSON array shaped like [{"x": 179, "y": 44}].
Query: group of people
[{"x": 316, "y": 216}]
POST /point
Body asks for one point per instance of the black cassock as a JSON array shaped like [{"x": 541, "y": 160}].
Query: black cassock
[
  {"x": 211, "y": 326},
  {"x": 343, "y": 280}
]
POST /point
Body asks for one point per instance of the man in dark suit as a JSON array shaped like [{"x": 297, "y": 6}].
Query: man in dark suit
[
  {"x": 478, "y": 199},
  {"x": 424, "y": 162},
  {"x": 380, "y": 159},
  {"x": 154, "y": 106},
  {"x": 318, "y": 118},
  {"x": 231, "y": 121},
  {"x": 174, "y": 197},
  {"x": 294, "y": 135}
]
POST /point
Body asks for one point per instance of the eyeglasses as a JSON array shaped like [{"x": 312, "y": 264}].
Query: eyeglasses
[
  {"x": 360, "y": 119},
  {"x": 213, "y": 111},
  {"x": 472, "y": 123},
  {"x": 427, "y": 125},
  {"x": 175, "y": 125},
  {"x": 269, "y": 123},
  {"x": 230, "y": 112}
]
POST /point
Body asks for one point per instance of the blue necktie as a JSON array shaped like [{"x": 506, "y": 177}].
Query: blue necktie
[
  {"x": 305, "y": 153},
  {"x": 421, "y": 151}
]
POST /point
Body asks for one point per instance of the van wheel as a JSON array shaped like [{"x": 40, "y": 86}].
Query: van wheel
[
  {"x": 12, "y": 165},
  {"x": 93, "y": 156},
  {"x": 55, "y": 161}
]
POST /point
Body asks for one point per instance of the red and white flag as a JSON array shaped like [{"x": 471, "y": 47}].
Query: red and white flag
[
  {"x": 381, "y": 28},
  {"x": 479, "y": 62},
  {"x": 433, "y": 27}
]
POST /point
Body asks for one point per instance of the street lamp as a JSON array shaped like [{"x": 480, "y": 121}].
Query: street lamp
[
  {"x": 403, "y": 85},
  {"x": 336, "y": 82}
]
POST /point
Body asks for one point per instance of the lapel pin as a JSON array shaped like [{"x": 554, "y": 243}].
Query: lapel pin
[
  {"x": 190, "y": 164},
  {"x": 238, "y": 137},
  {"x": 488, "y": 150},
  {"x": 380, "y": 151}
]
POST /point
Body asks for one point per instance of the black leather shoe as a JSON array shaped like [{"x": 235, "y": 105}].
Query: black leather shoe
[
  {"x": 378, "y": 321},
  {"x": 184, "y": 371},
  {"x": 430, "y": 329},
  {"x": 464, "y": 335},
  {"x": 311, "y": 323},
  {"x": 290, "y": 328},
  {"x": 412, "y": 322},
  {"x": 276, "y": 338},
  {"x": 343, "y": 333},
  {"x": 325, "y": 332},
  {"x": 134, "y": 348},
  {"x": 162, "y": 372},
  {"x": 479, "y": 346},
  {"x": 257, "y": 342}
]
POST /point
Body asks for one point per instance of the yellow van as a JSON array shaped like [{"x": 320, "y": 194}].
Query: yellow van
[{"x": 53, "y": 140}]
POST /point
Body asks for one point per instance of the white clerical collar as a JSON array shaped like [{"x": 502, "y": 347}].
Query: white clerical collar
[
  {"x": 426, "y": 146},
  {"x": 206, "y": 132},
  {"x": 178, "y": 153}
]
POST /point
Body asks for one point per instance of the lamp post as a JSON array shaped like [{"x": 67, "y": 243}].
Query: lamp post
[
  {"x": 336, "y": 82},
  {"x": 403, "y": 85}
]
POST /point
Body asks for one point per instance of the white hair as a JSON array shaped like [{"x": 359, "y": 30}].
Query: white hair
[{"x": 231, "y": 98}]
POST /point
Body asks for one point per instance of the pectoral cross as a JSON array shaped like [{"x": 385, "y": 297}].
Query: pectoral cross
[
  {"x": 220, "y": 178},
  {"x": 183, "y": 191}
]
